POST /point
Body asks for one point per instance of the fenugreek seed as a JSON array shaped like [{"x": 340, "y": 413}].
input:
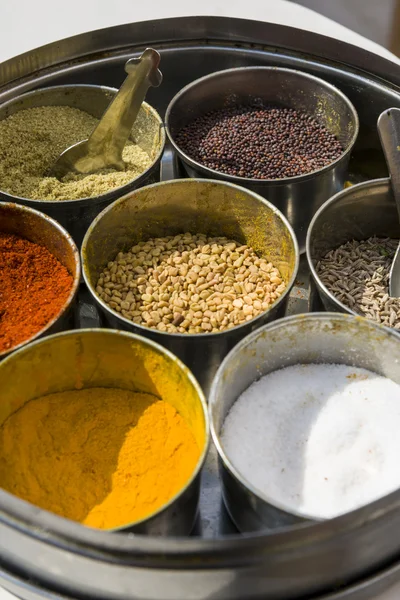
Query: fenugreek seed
[
  {"x": 178, "y": 319},
  {"x": 205, "y": 294},
  {"x": 220, "y": 315},
  {"x": 155, "y": 316},
  {"x": 190, "y": 274}
]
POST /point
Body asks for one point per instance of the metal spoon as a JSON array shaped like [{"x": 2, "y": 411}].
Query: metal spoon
[
  {"x": 103, "y": 149},
  {"x": 389, "y": 133}
]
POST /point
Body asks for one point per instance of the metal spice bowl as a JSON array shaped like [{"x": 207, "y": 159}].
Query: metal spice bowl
[
  {"x": 314, "y": 338},
  {"x": 41, "y": 229},
  {"x": 297, "y": 197},
  {"x": 357, "y": 213},
  {"x": 104, "y": 358},
  {"x": 196, "y": 206},
  {"x": 148, "y": 132}
]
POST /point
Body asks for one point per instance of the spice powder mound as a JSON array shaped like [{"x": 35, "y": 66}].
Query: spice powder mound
[
  {"x": 103, "y": 457},
  {"x": 34, "y": 286},
  {"x": 30, "y": 142}
]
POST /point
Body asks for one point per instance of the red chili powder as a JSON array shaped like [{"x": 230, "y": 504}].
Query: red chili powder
[{"x": 34, "y": 286}]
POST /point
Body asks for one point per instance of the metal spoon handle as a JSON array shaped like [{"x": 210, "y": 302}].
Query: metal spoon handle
[
  {"x": 110, "y": 135},
  {"x": 389, "y": 133}
]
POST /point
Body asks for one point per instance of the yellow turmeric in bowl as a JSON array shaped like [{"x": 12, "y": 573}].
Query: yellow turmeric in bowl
[{"x": 104, "y": 457}]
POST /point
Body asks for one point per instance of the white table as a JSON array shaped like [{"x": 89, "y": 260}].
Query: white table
[{"x": 27, "y": 24}]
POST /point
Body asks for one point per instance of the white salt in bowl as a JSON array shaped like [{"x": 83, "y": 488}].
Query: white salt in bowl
[{"x": 274, "y": 462}]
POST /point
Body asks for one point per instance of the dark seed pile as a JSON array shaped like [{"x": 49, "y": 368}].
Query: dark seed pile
[{"x": 259, "y": 143}]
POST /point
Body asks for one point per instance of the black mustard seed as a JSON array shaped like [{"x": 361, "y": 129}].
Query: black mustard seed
[{"x": 259, "y": 143}]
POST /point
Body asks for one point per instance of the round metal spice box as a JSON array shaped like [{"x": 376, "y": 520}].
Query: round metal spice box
[
  {"x": 199, "y": 207},
  {"x": 34, "y": 226},
  {"x": 349, "y": 557},
  {"x": 92, "y": 359},
  {"x": 148, "y": 133},
  {"x": 297, "y": 196}
]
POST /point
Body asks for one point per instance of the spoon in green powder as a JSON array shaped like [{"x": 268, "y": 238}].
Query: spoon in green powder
[{"x": 103, "y": 149}]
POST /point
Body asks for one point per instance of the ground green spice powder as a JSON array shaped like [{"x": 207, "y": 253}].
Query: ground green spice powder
[{"x": 30, "y": 142}]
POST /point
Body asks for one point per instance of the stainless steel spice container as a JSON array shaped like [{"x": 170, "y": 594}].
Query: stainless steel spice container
[
  {"x": 105, "y": 358},
  {"x": 197, "y": 206},
  {"x": 297, "y": 197},
  {"x": 357, "y": 213},
  {"x": 41, "y": 229},
  {"x": 311, "y": 338},
  {"x": 148, "y": 131}
]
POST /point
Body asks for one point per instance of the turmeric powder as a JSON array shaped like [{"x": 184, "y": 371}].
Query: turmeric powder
[{"x": 103, "y": 457}]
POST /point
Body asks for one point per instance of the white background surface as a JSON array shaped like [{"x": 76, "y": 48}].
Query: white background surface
[{"x": 28, "y": 24}]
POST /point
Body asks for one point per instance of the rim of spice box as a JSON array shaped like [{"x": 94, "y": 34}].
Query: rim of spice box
[
  {"x": 236, "y": 178},
  {"x": 259, "y": 318}
]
